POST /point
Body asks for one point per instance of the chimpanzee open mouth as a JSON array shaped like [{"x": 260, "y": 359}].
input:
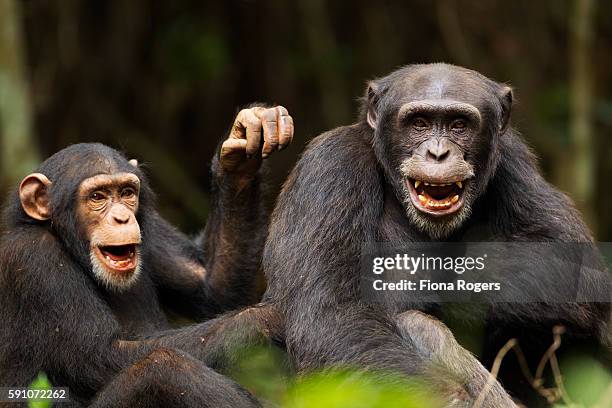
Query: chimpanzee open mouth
[
  {"x": 437, "y": 198},
  {"x": 121, "y": 258}
]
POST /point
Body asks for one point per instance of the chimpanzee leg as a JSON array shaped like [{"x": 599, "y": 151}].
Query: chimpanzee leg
[
  {"x": 466, "y": 378},
  {"x": 169, "y": 378}
]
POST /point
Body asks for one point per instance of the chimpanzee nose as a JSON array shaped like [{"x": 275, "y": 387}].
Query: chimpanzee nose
[
  {"x": 120, "y": 214},
  {"x": 437, "y": 151}
]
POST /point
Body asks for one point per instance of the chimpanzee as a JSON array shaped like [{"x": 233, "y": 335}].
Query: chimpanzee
[
  {"x": 431, "y": 158},
  {"x": 88, "y": 267}
]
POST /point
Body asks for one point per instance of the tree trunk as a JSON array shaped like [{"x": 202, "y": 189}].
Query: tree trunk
[
  {"x": 581, "y": 109},
  {"x": 18, "y": 152}
]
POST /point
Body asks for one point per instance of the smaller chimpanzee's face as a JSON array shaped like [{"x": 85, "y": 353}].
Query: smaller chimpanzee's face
[
  {"x": 107, "y": 207},
  {"x": 433, "y": 127}
]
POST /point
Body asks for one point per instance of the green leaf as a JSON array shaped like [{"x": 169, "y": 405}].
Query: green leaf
[
  {"x": 40, "y": 383},
  {"x": 346, "y": 388}
]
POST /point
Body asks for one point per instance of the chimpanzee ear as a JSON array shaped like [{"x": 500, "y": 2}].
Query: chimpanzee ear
[
  {"x": 33, "y": 193},
  {"x": 506, "y": 102},
  {"x": 133, "y": 162},
  {"x": 373, "y": 97}
]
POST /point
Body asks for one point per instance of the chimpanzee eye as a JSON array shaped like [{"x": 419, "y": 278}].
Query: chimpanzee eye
[
  {"x": 459, "y": 125},
  {"x": 419, "y": 123},
  {"x": 128, "y": 193},
  {"x": 97, "y": 196}
]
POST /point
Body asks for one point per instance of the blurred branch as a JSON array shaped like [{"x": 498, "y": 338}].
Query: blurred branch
[
  {"x": 323, "y": 48},
  {"x": 171, "y": 174},
  {"x": 168, "y": 171},
  {"x": 581, "y": 108},
  {"x": 552, "y": 395},
  {"x": 19, "y": 155},
  {"x": 494, "y": 371},
  {"x": 452, "y": 34}
]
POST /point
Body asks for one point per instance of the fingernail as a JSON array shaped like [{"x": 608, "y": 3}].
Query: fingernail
[
  {"x": 264, "y": 155},
  {"x": 281, "y": 147}
]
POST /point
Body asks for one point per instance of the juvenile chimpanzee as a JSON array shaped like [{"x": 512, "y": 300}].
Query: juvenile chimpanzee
[
  {"x": 87, "y": 264},
  {"x": 431, "y": 158}
]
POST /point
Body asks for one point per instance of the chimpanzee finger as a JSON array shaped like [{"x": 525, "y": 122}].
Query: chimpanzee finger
[
  {"x": 249, "y": 121},
  {"x": 270, "y": 128},
  {"x": 238, "y": 130},
  {"x": 233, "y": 147},
  {"x": 285, "y": 127},
  {"x": 232, "y": 153}
]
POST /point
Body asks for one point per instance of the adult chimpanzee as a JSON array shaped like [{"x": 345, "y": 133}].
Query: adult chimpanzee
[
  {"x": 87, "y": 264},
  {"x": 431, "y": 158}
]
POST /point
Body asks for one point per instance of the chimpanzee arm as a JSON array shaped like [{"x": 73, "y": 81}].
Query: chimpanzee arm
[
  {"x": 235, "y": 234},
  {"x": 222, "y": 270},
  {"x": 223, "y": 341}
]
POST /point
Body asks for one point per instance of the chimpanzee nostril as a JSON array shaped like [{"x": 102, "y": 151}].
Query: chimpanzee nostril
[
  {"x": 120, "y": 215},
  {"x": 438, "y": 153},
  {"x": 121, "y": 219}
]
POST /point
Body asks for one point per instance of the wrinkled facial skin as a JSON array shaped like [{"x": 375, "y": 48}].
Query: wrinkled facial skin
[
  {"x": 433, "y": 131},
  {"x": 434, "y": 179},
  {"x": 107, "y": 207}
]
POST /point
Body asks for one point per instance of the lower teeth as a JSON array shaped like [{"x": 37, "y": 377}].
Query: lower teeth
[
  {"x": 430, "y": 203},
  {"x": 117, "y": 263}
]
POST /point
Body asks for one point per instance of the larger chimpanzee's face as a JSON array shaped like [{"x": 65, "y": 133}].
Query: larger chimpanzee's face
[{"x": 436, "y": 133}]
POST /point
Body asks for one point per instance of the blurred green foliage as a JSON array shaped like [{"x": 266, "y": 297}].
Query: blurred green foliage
[
  {"x": 40, "y": 383},
  {"x": 587, "y": 381},
  {"x": 346, "y": 389},
  {"x": 265, "y": 372}
]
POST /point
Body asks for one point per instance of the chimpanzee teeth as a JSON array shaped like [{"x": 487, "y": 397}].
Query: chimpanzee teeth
[
  {"x": 455, "y": 199},
  {"x": 422, "y": 199},
  {"x": 436, "y": 204},
  {"x": 417, "y": 183}
]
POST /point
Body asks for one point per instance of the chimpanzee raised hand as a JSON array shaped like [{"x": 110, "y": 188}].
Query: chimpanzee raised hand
[{"x": 87, "y": 263}]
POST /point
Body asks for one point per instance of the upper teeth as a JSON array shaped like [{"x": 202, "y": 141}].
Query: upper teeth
[{"x": 417, "y": 183}]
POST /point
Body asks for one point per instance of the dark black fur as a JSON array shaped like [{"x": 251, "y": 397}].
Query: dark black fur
[
  {"x": 58, "y": 319},
  {"x": 342, "y": 194}
]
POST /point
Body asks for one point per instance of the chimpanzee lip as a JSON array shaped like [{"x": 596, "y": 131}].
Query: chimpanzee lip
[
  {"x": 120, "y": 258},
  {"x": 437, "y": 198}
]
